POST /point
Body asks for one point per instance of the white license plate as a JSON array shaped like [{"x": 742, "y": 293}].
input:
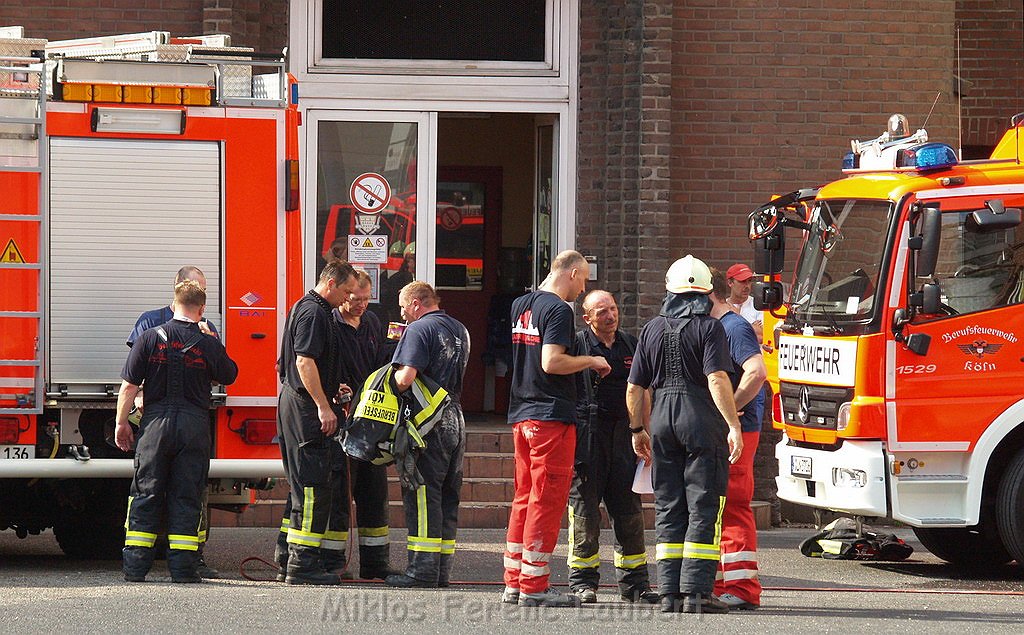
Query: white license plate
[
  {"x": 800, "y": 466},
  {"x": 17, "y": 451}
]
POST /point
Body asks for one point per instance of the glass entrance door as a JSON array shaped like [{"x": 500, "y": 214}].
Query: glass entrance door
[{"x": 366, "y": 186}]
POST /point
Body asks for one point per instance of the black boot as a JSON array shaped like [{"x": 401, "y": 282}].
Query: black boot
[
  {"x": 204, "y": 570},
  {"x": 445, "y": 570},
  {"x": 281, "y": 558},
  {"x": 334, "y": 562},
  {"x": 136, "y": 562},
  {"x": 404, "y": 581},
  {"x": 672, "y": 603},
  {"x": 183, "y": 566},
  {"x": 304, "y": 567},
  {"x": 699, "y": 603},
  {"x": 375, "y": 562}
]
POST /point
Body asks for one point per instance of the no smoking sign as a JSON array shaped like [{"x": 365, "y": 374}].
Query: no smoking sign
[{"x": 370, "y": 193}]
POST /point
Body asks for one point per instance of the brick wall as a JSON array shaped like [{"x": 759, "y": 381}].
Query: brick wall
[
  {"x": 991, "y": 59},
  {"x": 261, "y": 24}
]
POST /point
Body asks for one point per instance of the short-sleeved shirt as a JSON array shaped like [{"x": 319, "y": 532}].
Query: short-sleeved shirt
[
  {"x": 702, "y": 344},
  {"x": 742, "y": 346},
  {"x": 156, "y": 317},
  {"x": 361, "y": 348},
  {"x": 749, "y": 313},
  {"x": 540, "y": 318},
  {"x": 310, "y": 331},
  {"x": 610, "y": 391},
  {"x": 436, "y": 345},
  {"x": 206, "y": 361}
]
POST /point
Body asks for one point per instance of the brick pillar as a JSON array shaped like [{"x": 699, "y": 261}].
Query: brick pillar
[{"x": 261, "y": 24}]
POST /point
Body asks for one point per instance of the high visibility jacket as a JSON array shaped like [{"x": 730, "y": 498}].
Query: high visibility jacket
[{"x": 381, "y": 410}]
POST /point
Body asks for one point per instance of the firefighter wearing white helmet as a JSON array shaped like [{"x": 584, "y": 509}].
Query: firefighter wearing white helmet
[{"x": 684, "y": 423}]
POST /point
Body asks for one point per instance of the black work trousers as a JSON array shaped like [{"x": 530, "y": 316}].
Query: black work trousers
[
  {"x": 690, "y": 471},
  {"x": 306, "y": 453},
  {"x": 172, "y": 462},
  {"x": 607, "y": 476},
  {"x": 432, "y": 510}
]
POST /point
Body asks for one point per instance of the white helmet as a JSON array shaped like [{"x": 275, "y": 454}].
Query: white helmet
[{"x": 688, "y": 275}]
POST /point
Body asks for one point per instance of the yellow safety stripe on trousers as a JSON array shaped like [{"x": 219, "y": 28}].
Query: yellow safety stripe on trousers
[
  {"x": 128, "y": 512},
  {"x": 701, "y": 551},
  {"x": 426, "y": 545},
  {"x": 336, "y": 535},
  {"x": 305, "y": 538},
  {"x": 374, "y": 536},
  {"x": 447, "y": 547},
  {"x": 668, "y": 550},
  {"x": 421, "y": 511},
  {"x": 139, "y": 539},
  {"x": 591, "y": 562},
  {"x": 202, "y": 535},
  {"x": 634, "y": 561},
  {"x": 183, "y": 542},
  {"x": 286, "y": 522},
  {"x": 308, "y": 500},
  {"x": 334, "y": 540}
]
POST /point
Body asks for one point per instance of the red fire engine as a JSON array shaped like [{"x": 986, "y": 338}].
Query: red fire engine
[{"x": 122, "y": 159}]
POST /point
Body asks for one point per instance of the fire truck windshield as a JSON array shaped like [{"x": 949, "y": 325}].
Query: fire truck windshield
[{"x": 837, "y": 270}]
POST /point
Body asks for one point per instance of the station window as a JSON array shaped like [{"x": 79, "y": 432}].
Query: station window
[{"x": 466, "y": 31}]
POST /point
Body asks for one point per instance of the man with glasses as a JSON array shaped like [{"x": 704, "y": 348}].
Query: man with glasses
[{"x": 151, "y": 319}]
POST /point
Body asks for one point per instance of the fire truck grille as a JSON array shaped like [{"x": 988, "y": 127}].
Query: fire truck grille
[{"x": 812, "y": 406}]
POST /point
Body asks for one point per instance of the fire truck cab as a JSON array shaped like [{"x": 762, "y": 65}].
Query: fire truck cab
[
  {"x": 121, "y": 160},
  {"x": 900, "y": 359}
]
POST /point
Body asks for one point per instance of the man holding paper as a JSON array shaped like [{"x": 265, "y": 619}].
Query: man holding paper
[{"x": 605, "y": 462}]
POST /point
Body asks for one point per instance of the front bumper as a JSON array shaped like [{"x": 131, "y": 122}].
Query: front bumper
[{"x": 821, "y": 489}]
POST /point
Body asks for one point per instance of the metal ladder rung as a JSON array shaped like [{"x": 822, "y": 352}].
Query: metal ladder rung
[
  {"x": 21, "y": 314},
  {"x": 20, "y": 362},
  {"x": 32, "y": 121},
  {"x": 35, "y": 266},
  {"x": 17, "y": 217},
  {"x": 18, "y": 168}
]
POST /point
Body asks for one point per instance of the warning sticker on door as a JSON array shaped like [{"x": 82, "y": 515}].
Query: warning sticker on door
[
  {"x": 12, "y": 255},
  {"x": 368, "y": 249}
]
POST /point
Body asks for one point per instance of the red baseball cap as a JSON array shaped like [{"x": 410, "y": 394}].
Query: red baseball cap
[{"x": 740, "y": 272}]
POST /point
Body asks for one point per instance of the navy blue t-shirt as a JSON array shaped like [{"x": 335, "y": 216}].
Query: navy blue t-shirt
[
  {"x": 703, "y": 347},
  {"x": 156, "y": 317},
  {"x": 540, "y": 318},
  {"x": 310, "y": 331},
  {"x": 436, "y": 345},
  {"x": 742, "y": 346},
  {"x": 610, "y": 391},
  {"x": 361, "y": 349}
]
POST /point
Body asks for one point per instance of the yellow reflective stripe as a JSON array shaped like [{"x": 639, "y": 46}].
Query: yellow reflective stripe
[
  {"x": 286, "y": 522},
  {"x": 139, "y": 539},
  {"x": 718, "y": 522},
  {"x": 373, "y": 531},
  {"x": 668, "y": 550},
  {"x": 592, "y": 562},
  {"x": 335, "y": 535},
  {"x": 183, "y": 542},
  {"x": 831, "y": 546},
  {"x": 426, "y": 545},
  {"x": 140, "y": 534},
  {"x": 429, "y": 403},
  {"x": 630, "y": 562},
  {"x": 702, "y": 551},
  {"x": 306, "y": 538},
  {"x": 421, "y": 510},
  {"x": 448, "y": 547},
  {"x": 414, "y": 433},
  {"x": 333, "y": 545},
  {"x": 572, "y": 532},
  {"x": 128, "y": 512},
  {"x": 308, "y": 499},
  {"x": 202, "y": 535}
]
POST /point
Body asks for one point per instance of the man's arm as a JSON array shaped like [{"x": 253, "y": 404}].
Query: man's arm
[
  {"x": 721, "y": 392},
  {"x": 555, "y": 361},
  {"x": 404, "y": 376},
  {"x": 310, "y": 376},
  {"x": 124, "y": 436},
  {"x": 752, "y": 380},
  {"x": 638, "y": 406}
]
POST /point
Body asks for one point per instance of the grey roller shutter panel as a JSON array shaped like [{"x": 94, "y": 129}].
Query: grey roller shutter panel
[{"x": 125, "y": 215}]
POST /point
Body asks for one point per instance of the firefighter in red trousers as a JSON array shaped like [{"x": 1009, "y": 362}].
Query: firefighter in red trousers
[
  {"x": 737, "y": 582},
  {"x": 689, "y": 432},
  {"x": 542, "y": 410}
]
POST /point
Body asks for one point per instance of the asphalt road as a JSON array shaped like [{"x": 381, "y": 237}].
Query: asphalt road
[{"x": 42, "y": 591}]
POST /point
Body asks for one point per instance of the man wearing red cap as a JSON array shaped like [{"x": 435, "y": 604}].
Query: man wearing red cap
[{"x": 740, "y": 279}]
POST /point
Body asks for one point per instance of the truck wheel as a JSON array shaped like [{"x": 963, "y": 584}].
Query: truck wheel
[
  {"x": 95, "y": 531},
  {"x": 1010, "y": 508},
  {"x": 965, "y": 547}
]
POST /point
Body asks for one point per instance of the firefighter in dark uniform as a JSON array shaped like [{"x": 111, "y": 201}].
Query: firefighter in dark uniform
[
  {"x": 307, "y": 418},
  {"x": 435, "y": 345},
  {"x": 363, "y": 351},
  {"x": 605, "y": 462},
  {"x": 177, "y": 361},
  {"x": 689, "y": 432}
]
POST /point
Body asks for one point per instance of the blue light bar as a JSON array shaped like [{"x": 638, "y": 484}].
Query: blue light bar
[
  {"x": 851, "y": 161},
  {"x": 927, "y": 156}
]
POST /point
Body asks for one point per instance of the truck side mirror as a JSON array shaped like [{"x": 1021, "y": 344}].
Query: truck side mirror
[
  {"x": 927, "y": 299},
  {"x": 767, "y": 295},
  {"x": 927, "y": 243},
  {"x": 770, "y": 252}
]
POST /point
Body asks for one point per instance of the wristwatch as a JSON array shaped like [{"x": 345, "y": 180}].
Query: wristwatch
[{"x": 637, "y": 430}]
